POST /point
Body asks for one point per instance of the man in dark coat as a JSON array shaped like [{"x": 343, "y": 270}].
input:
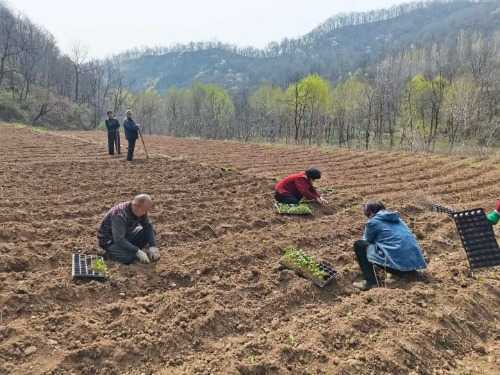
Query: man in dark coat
[
  {"x": 126, "y": 233},
  {"x": 293, "y": 188},
  {"x": 131, "y": 133},
  {"x": 113, "y": 127}
]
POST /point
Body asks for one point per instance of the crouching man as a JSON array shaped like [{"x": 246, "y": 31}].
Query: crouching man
[
  {"x": 387, "y": 243},
  {"x": 126, "y": 233}
]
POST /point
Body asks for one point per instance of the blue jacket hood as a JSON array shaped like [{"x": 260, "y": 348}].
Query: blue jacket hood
[
  {"x": 387, "y": 216},
  {"x": 392, "y": 243}
]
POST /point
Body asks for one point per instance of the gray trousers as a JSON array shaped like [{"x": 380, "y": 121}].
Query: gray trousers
[{"x": 139, "y": 237}]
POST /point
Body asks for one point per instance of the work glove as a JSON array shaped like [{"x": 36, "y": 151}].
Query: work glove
[
  {"x": 154, "y": 253},
  {"x": 142, "y": 256},
  {"x": 493, "y": 217}
]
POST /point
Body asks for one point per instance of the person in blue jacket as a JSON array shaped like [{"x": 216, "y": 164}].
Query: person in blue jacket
[
  {"x": 387, "y": 242},
  {"x": 131, "y": 133}
]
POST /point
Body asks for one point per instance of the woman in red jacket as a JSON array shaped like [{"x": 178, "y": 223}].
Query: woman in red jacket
[{"x": 293, "y": 188}]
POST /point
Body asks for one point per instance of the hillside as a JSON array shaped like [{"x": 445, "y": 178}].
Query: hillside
[
  {"x": 340, "y": 45},
  {"x": 218, "y": 302}
]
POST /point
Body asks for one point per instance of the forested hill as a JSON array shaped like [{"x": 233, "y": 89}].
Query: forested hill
[{"x": 340, "y": 45}]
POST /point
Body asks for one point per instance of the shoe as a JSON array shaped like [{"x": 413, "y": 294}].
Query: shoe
[{"x": 362, "y": 285}]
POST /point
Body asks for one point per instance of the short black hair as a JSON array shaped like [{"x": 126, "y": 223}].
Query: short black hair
[
  {"x": 109, "y": 112},
  {"x": 313, "y": 174},
  {"x": 373, "y": 207}
]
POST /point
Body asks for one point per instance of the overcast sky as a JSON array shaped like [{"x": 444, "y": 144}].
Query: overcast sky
[{"x": 106, "y": 27}]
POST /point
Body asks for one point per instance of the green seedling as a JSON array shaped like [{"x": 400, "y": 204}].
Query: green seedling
[
  {"x": 293, "y": 209},
  {"x": 291, "y": 340},
  {"x": 307, "y": 264},
  {"x": 99, "y": 266},
  {"x": 39, "y": 129}
]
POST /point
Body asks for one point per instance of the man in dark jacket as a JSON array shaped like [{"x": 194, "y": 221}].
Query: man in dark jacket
[
  {"x": 126, "y": 230},
  {"x": 113, "y": 127},
  {"x": 131, "y": 133},
  {"x": 293, "y": 188}
]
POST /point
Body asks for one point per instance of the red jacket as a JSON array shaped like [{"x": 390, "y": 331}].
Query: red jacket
[{"x": 297, "y": 185}]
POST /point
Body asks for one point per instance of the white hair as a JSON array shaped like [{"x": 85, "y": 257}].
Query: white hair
[{"x": 142, "y": 199}]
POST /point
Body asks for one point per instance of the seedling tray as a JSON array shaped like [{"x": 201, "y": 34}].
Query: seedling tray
[
  {"x": 478, "y": 238},
  {"x": 82, "y": 268},
  {"x": 331, "y": 274},
  {"x": 324, "y": 266},
  {"x": 302, "y": 209},
  {"x": 442, "y": 209}
]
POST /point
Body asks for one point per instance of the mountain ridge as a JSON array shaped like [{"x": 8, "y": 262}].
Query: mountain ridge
[{"x": 341, "y": 44}]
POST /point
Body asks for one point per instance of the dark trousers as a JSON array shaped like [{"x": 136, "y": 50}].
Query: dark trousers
[
  {"x": 286, "y": 199},
  {"x": 114, "y": 141},
  {"x": 360, "y": 249},
  {"x": 131, "y": 148},
  {"x": 139, "y": 237}
]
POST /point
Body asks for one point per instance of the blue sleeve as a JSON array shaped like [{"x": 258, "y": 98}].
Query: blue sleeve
[{"x": 371, "y": 230}]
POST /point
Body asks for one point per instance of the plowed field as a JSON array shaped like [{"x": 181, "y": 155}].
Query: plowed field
[{"x": 218, "y": 302}]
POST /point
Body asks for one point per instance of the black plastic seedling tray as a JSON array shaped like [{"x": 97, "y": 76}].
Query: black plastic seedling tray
[
  {"x": 478, "y": 238},
  {"x": 82, "y": 268},
  {"x": 442, "y": 209},
  {"x": 324, "y": 266},
  {"x": 331, "y": 274}
]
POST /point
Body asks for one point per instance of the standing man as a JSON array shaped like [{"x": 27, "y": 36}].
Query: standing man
[
  {"x": 113, "y": 127},
  {"x": 293, "y": 188},
  {"x": 126, "y": 233},
  {"x": 131, "y": 133}
]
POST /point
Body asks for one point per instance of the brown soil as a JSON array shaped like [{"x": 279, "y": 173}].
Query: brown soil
[{"x": 218, "y": 302}]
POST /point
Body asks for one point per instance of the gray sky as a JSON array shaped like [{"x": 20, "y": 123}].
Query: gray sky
[{"x": 106, "y": 27}]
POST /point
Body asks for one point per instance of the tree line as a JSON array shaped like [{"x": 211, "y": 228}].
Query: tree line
[
  {"x": 423, "y": 97},
  {"x": 41, "y": 85},
  {"x": 439, "y": 97}
]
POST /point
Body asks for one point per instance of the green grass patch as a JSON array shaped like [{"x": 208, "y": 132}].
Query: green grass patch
[{"x": 39, "y": 129}]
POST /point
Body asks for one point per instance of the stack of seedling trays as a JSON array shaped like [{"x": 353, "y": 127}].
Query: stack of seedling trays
[
  {"x": 442, "y": 209},
  {"x": 478, "y": 238},
  {"x": 476, "y": 234},
  {"x": 88, "y": 267},
  {"x": 320, "y": 273},
  {"x": 293, "y": 209}
]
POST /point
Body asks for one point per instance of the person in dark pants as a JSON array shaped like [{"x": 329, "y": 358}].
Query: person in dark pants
[
  {"x": 126, "y": 230},
  {"x": 131, "y": 133},
  {"x": 388, "y": 243},
  {"x": 293, "y": 188},
  {"x": 113, "y": 127}
]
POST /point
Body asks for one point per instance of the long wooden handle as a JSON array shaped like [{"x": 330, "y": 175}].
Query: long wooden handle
[{"x": 143, "y": 144}]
